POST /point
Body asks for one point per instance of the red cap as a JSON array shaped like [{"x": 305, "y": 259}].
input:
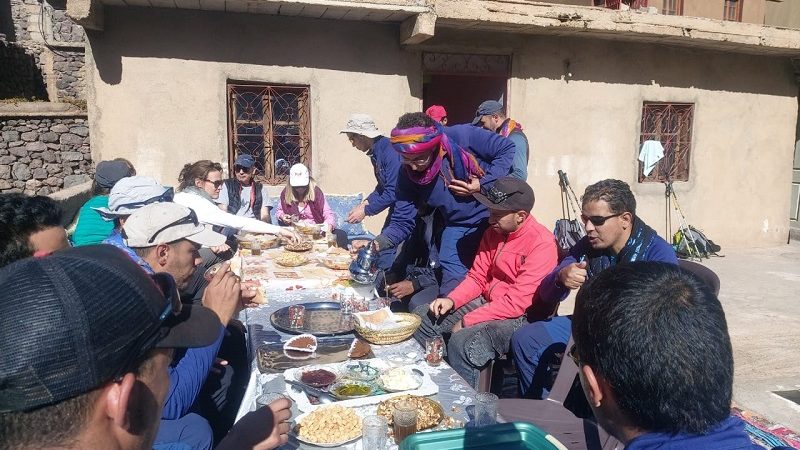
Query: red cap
[{"x": 436, "y": 112}]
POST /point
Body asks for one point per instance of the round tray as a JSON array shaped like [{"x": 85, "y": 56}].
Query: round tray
[{"x": 321, "y": 319}]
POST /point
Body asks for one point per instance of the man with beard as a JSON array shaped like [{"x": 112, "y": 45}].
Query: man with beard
[{"x": 614, "y": 235}]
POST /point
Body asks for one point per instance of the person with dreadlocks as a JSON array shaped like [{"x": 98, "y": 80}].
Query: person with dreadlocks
[
  {"x": 443, "y": 167},
  {"x": 490, "y": 115}
]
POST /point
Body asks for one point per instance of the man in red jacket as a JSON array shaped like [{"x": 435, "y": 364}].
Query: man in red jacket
[{"x": 516, "y": 252}]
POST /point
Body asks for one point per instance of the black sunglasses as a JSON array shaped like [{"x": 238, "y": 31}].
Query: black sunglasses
[
  {"x": 598, "y": 220},
  {"x": 216, "y": 184},
  {"x": 495, "y": 195},
  {"x": 240, "y": 169},
  {"x": 167, "y": 196},
  {"x": 150, "y": 337},
  {"x": 573, "y": 354},
  {"x": 189, "y": 218}
]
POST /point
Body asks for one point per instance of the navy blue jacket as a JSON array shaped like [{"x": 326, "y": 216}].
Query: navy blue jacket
[
  {"x": 552, "y": 291},
  {"x": 386, "y": 164},
  {"x": 727, "y": 435},
  {"x": 495, "y": 155}
]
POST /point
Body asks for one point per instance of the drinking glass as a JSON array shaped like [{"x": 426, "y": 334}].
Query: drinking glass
[
  {"x": 405, "y": 421},
  {"x": 375, "y": 430},
  {"x": 485, "y": 409},
  {"x": 255, "y": 248},
  {"x": 434, "y": 351}
]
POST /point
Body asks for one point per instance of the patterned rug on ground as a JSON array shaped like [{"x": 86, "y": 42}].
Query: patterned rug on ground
[{"x": 766, "y": 433}]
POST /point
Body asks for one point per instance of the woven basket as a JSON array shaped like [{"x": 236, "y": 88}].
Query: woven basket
[{"x": 384, "y": 337}]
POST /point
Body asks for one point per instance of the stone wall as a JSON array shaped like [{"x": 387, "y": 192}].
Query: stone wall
[
  {"x": 20, "y": 75},
  {"x": 43, "y": 155}
]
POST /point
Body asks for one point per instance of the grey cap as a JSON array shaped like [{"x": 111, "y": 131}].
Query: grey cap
[
  {"x": 162, "y": 223},
  {"x": 131, "y": 193},
  {"x": 486, "y": 108},
  {"x": 108, "y": 173}
]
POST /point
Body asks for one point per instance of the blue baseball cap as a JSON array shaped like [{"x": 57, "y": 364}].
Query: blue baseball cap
[
  {"x": 244, "y": 160},
  {"x": 486, "y": 108}
]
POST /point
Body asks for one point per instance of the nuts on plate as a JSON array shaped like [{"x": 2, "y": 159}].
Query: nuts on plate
[{"x": 330, "y": 425}]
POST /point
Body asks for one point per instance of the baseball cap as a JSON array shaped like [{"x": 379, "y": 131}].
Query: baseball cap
[
  {"x": 131, "y": 193},
  {"x": 162, "y": 223},
  {"x": 107, "y": 173},
  {"x": 361, "y": 124},
  {"x": 507, "y": 194},
  {"x": 298, "y": 175},
  {"x": 436, "y": 112},
  {"x": 75, "y": 320},
  {"x": 486, "y": 108},
  {"x": 244, "y": 160}
]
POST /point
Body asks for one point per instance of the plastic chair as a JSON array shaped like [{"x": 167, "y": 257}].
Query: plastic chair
[
  {"x": 553, "y": 417},
  {"x": 702, "y": 272}
]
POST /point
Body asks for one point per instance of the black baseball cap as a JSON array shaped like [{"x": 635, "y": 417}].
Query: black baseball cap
[
  {"x": 81, "y": 317},
  {"x": 507, "y": 194}
]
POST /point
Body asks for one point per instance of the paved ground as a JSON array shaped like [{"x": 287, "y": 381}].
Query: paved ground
[{"x": 761, "y": 296}]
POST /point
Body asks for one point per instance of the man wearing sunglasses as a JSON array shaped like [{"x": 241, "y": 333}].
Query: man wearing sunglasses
[
  {"x": 657, "y": 380},
  {"x": 242, "y": 195},
  {"x": 168, "y": 237},
  {"x": 482, "y": 312},
  {"x": 614, "y": 235}
]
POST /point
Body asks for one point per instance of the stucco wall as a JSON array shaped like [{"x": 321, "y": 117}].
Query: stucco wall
[
  {"x": 159, "y": 80},
  {"x": 752, "y": 10},
  {"x": 782, "y": 14},
  {"x": 158, "y": 98}
]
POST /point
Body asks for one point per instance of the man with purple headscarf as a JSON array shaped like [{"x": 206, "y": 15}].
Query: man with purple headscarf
[{"x": 443, "y": 167}]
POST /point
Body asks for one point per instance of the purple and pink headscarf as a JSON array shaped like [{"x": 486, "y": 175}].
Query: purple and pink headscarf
[{"x": 461, "y": 164}]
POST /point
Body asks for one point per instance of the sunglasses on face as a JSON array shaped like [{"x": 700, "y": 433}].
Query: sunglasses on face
[
  {"x": 242, "y": 169},
  {"x": 598, "y": 220},
  {"x": 418, "y": 160},
  {"x": 495, "y": 195},
  {"x": 573, "y": 354},
  {"x": 216, "y": 183},
  {"x": 189, "y": 218},
  {"x": 149, "y": 338},
  {"x": 165, "y": 197}
]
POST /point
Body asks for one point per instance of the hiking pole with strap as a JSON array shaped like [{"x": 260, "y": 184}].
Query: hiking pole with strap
[
  {"x": 684, "y": 227},
  {"x": 566, "y": 188}
]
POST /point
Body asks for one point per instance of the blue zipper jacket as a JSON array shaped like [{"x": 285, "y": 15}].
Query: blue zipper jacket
[
  {"x": 727, "y": 435},
  {"x": 386, "y": 164},
  {"x": 495, "y": 155}
]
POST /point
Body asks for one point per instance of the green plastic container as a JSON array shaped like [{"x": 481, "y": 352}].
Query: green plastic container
[{"x": 505, "y": 436}]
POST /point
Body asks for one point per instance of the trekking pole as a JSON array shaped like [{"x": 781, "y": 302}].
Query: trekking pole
[
  {"x": 684, "y": 224},
  {"x": 668, "y": 210},
  {"x": 564, "y": 181}
]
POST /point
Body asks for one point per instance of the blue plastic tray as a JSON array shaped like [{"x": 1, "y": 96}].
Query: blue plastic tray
[{"x": 505, "y": 436}]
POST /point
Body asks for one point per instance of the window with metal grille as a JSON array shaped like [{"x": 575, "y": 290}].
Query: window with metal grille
[
  {"x": 732, "y": 10},
  {"x": 670, "y": 124},
  {"x": 672, "y": 8},
  {"x": 273, "y": 124}
]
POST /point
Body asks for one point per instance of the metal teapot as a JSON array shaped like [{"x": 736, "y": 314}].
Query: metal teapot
[{"x": 364, "y": 269}]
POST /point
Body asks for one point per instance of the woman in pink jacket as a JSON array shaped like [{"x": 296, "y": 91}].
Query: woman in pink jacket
[
  {"x": 516, "y": 252},
  {"x": 302, "y": 200}
]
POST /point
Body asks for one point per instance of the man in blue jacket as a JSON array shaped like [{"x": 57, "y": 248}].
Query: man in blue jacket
[
  {"x": 490, "y": 115},
  {"x": 443, "y": 167},
  {"x": 614, "y": 234},
  {"x": 364, "y": 136},
  {"x": 655, "y": 359}
]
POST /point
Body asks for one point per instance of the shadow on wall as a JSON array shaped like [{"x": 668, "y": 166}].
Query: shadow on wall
[
  {"x": 256, "y": 39},
  {"x": 600, "y": 60},
  {"x": 20, "y": 76}
]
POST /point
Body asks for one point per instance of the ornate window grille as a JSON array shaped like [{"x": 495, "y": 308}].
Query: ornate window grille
[
  {"x": 273, "y": 124},
  {"x": 672, "y": 8},
  {"x": 615, "y": 4},
  {"x": 670, "y": 124},
  {"x": 732, "y": 10}
]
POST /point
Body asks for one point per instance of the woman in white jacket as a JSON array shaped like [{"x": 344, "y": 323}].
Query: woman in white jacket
[{"x": 199, "y": 186}]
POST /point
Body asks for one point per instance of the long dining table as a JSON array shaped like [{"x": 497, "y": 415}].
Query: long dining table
[{"x": 454, "y": 394}]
